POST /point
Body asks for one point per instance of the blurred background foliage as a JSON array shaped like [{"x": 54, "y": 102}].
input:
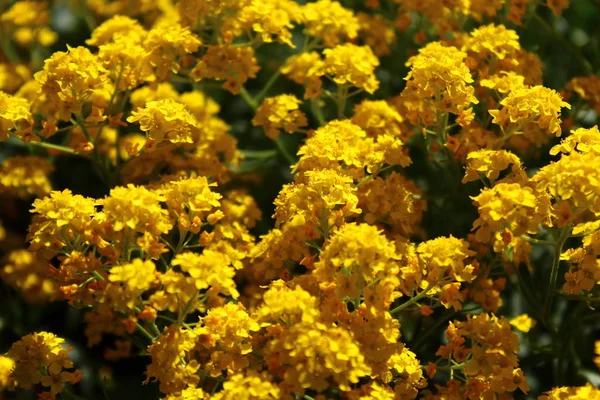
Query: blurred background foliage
[{"x": 568, "y": 45}]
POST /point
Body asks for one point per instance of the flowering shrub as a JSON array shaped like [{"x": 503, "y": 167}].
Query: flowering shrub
[{"x": 278, "y": 199}]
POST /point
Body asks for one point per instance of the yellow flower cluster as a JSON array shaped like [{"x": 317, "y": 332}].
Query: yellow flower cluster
[
  {"x": 41, "y": 359},
  {"x": 148, "y": 176}
]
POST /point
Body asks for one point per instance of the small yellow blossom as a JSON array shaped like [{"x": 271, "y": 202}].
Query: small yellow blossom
[
  {"x": 135, "y": 208},
  {"x": 165, "y": 120},
  {"x": 351, "y": 65},
  {"x": 518, "y": 208},
  {"x": 249, "y": 386},
  {"x": 209, "y": 269},
  {"x": 280, "y": 113},
  {"x": 25, "y": 177},
  {"x": 167, "y": 44},
  {"x": 70, "y": 78},
  {"x": 14, "y": 114},
  {"x": 41, "y": 358},
  {"x": 439, "y": 74},
  {"x": 587, "y": 392},
  {"x": 490, "y": 163},
  {"x": 115, "y": 27},
  {"x": 304, "y": 69},
  {"x": 59, "y": 216},
  {"x": 6, "y": 366},
  {"x": 527, "y": 109},
  {"x": 523, "y": 322},
  {"x": 29, "y": 273},
  {"x": 330, "y": 22},
  {"x": 170, "y": 364},
  {"x": 234, "y": 65},
  {"x": 339, "y": 357}
]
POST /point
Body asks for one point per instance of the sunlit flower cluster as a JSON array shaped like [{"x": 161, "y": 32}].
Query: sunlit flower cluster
[{"x": 282, "y": 199}]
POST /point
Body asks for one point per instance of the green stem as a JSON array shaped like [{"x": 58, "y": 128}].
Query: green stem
[
  {"x": 290, "y": 158},
  {"x": 97, "y": 275},
  {"x": 248, "y": 99},
  {"x": 564, "y": 235},
  {"x": 259, "y": 153},
  {"x": 259, "y": 97},
  {"x": 144, "y": 332},
  {"x": 9, "y": 50},
  {"x": 103, "y": 169},
  {"x": 538, "y": 241},
  {"x": 317, "y": 112},
  {"x": 51, "y": 146},
  {"x": 342, "y": 97},
  {"x": 413, "y": 300}
]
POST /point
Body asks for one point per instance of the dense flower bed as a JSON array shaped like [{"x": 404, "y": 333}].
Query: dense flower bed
[{"x": 278, "y": 199}]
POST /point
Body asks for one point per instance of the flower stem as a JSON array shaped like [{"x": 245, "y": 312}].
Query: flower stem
[
  {"x": 562, "y": 238},
  {"x": 412, "y": 300}
]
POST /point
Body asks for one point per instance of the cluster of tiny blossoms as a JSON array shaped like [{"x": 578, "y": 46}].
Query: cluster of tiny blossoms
[{"x": 335, "y": 296}]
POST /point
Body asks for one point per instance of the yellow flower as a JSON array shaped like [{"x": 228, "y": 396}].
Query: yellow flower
[
  {"x": 270, "y": 18},
  {"x": 438, "y": 74},
  {"x": 192, "y": 203},
  {"x": 315, "y": 353},
  {"x": 378, "y": 118},
  {"x": 171, "y": 364},
  {"x": 135, "y": 208},
  {"x": 304, "y": 69},
  {"x": 518, "y": 208},
  {"x": 129, "y": 281},
  {"x": 290, "y": 304},
  {"x": 376, "y": 32},
  {"x": 127, "y": 62},
  {"x": 209, "y": 269},
  {"x": 351, "y": 65},
  {"x": 588, "y": 89},
  {"x": 557, "y": 6},
  {"x": 69, "y": 79},
  {"x": 530, "y": 109},
  {"x": 248, "y": 386},
  {"x": 115, "y": 27},
  {"x": 357, "y": 257},
  {"x": 322, "y": 202},
  {"x": 189, "y": 393},
  {"x": 444, "y": 258},
  {"x": 493, "y": 348},
  {"x": 341, "y": 143},
  {"x": 490, "y": 163},
  {"x": 25, "y": 177},
  {"x": 154, "y": 92},
  {"x": 329, "y": 22},
  {"x": 29, "y": 273},
  {"x": 166, "y": 44},
  {"x": 6, "y": 366},
  {"x": 226, "y": 334},
  {"x": 523, "y": 322},
  {"x": 165, "y": 120},
  {"x": 394, "y": 201},
  {"x": 504, "y": 82},
  {"x": 14, "y": 114},
  {"x": 42, "y": 358},
  {"x": 234, "y": 65},
  {"x": 58, "y": 217},
  {"x": 573, "y": 180},
  {"x": 493, "y": 41},
  {"x": 26, "y": 13},
  {"x": 581, "y": 140},
  {"x": 587, "y": 392},
  {"x": 280, "y": 113},
  {"x": 597, "y": 353}
]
